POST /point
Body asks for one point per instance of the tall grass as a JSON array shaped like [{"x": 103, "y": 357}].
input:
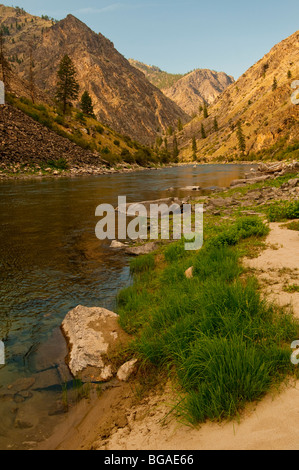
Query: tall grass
[{"x": 225, "y": 344}]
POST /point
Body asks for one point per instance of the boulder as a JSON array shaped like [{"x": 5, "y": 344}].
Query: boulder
[
  {"x": 93, "y": 335},
  {"x": 191, "y": 188},
  {"x": 115, "y": 244},
  {"x": 293, "y": 183},
  {"x": 126, "y": 370},
  {"x": 142, "y": 249}
]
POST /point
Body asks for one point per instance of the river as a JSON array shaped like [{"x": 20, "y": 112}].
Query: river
[{"x": 50, "y": 262}]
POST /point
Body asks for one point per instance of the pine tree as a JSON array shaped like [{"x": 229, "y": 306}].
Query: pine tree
[
  {"x": 216, "y": 127},
  {"x": 176, "y": 151},
  {"x": 180, "y": 125},
  {"x": 241, "y": 138},
  {"x": 289, "y": 74},
  {"x": 194, "y": 145},
  {"x": 274, "y": 86},
  {"x": 86, "y": 105},
  {"x": 67, "y": 87},
  {"x": 170, "y": 131},
  {"x": 203, "y": 132},
  {"x": 205, "y": 112}
]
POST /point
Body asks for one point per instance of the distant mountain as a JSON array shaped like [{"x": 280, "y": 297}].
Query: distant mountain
[
  {"x": 159, "y": 78},
  {"x": 198, "y": 87},
  {"x": 188, "y": 91},
  {"x": 259, "y": 103},
  {"x": 123, "y": 98}
]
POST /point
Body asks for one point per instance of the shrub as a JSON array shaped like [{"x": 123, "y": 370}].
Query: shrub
[
  {"x": 60, "y": 164},
  {"x": 283, "y": 211},
  {"x": 100, "y": 130}
]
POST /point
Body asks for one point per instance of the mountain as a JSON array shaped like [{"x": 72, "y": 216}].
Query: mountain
[
  {"x": 159, "y": 78},
  {"x": 198, "y": 87},
  {"x": 122, "y": 96},
  {"x": 259, "y": 103},
  {"x": 188, "y": 91}
]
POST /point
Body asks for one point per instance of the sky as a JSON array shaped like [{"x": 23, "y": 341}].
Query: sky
[{"x": 181, "y": 35}]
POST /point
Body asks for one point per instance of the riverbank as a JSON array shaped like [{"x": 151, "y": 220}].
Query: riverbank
[
  {"x": 271, "y": 424},
  {"x": 151, "y": 423},
  {"x": 57, "y": 170}
]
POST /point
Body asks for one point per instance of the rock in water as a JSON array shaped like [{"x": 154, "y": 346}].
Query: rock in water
[{"x": 93, "y": 335}]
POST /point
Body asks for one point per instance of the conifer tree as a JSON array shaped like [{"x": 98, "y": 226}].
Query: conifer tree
[
  {"x": 274, "y": 86},
  {"x": 180, "y": 125},
  {"x": 175, "y": 148},
  {"x": 86, "y": 105},
  {"x": 194, "y": 145},
  {"x": 205, "y": 111},
  {"x": 241, "y": 137},
  {"x": 67, "y": 87},
  {"x": 216, "y": 127},
  {"x": 203, "y": 132}
]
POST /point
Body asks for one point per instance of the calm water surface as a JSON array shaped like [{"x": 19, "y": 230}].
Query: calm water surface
[{"x": 51, "y": 261}]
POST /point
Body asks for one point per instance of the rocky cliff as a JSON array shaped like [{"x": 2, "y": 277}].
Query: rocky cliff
[
  {"x": 198, "y": 87},
  {"x": 122, "y": 96},
  {"x": 261, "y": 101}
]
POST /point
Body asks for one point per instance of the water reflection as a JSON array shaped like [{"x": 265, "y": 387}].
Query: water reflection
[{"x": 51, "y": 261}]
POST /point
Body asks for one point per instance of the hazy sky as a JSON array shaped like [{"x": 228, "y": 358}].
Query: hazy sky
[{"x": 181, "y": 35}]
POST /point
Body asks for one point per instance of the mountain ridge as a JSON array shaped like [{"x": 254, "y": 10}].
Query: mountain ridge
[
  {"x": 189, "y": 91},
  {"x": 261, "y": 101},
  {"x": 122, "y": 97}
]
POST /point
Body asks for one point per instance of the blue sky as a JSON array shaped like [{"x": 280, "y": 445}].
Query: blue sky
[{"x": 181, "y": 35}]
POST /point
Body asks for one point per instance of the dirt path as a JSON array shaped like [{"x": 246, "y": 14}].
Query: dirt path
[{"x": 271, "y": 424}]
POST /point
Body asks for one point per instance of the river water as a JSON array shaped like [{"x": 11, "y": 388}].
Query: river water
[{"x": 50, "y": 262}]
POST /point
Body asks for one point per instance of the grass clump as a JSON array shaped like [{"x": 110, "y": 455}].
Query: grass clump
[
  {"x": 291, "y": 289},
  {"x": 283, "y": 211},
  {"x": 245, "y": 227},
  {"x": 142, "y": 264},
  {"x": 293, "y": 226},
  {"x": 225, "y": 345}
]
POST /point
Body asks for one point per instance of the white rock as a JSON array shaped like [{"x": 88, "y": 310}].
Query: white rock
[
  {"x": 93, "y": 334},
  {"x": 126, "y": 370}
]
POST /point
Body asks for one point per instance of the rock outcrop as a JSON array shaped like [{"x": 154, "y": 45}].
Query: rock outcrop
[{"x": 93, "y": 335}]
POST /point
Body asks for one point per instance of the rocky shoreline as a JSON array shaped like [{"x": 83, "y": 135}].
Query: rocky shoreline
[{"x": 21, "y": 172}]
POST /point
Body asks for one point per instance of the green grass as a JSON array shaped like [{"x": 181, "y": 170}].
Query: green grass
[
  {"x": 222, "y": 343},
  {"x": 293, "y": 226},
  {"x": 292, "y": 288},
  {"x": 283, "y": 211}
]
